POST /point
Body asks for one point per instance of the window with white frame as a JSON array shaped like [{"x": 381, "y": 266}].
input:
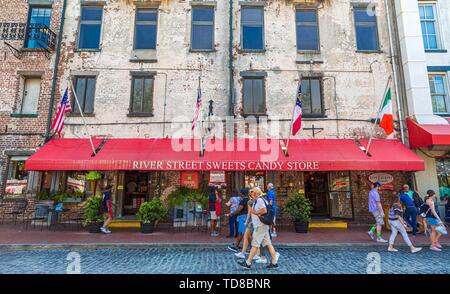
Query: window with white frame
[
  {"x": 430, "y": 28},
  {"x": 439, "y": 93}
]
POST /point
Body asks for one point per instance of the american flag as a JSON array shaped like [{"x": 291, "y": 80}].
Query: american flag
[
  {"x": 198, "y": 107},
  {"x": 63, "y": 108},
  {"x": 297, "y": 118}
]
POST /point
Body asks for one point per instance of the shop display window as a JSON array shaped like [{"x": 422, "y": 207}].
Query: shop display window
[{"x": 17, "y": 177}]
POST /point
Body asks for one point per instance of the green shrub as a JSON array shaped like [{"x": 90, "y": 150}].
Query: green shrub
[
  {"x": 152, "y": 211},
  {"x": 299, "y": 207},
  {"x": 182, "y": 194},
  {"x": 92, "y": 210}
]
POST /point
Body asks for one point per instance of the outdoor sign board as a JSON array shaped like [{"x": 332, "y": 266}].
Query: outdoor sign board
[
  {"x": 384, "y": 178},
  {"x": 189, "y": 179},
  {"x": 217, "y": 177}
]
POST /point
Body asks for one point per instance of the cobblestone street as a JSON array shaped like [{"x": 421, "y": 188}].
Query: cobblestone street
[{"x": 306, "y": 260}]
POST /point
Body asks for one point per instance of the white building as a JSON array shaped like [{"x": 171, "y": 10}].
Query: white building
[
  {"x": 136, "y": 66},
  {"x": 423, "y": 30}
]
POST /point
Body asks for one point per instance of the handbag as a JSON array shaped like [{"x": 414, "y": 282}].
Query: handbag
[
  {"x": 424, "y": 213},
  {"x": 441, "y": 230}
]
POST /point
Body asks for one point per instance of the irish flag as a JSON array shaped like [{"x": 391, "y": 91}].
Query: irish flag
[{"x": 387, "y": 123}]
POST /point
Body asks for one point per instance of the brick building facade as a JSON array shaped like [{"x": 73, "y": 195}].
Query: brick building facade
[{"x": 27, "y": 56}]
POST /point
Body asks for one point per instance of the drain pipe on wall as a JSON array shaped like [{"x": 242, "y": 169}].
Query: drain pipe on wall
[
  {"x": 230, "y": 68},
  {"x": 394, "y": 70},
  {"x": 55, "y": 71}
]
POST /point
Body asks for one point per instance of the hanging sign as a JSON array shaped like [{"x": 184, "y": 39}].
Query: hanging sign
[
  {"x": 217, "y": 177},
  {"x": 189, "y": 179},
  {"x": 385, "y": 180}
]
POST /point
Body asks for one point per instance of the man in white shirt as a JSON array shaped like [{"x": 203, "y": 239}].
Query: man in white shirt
[{"x": 261, "y": 235}]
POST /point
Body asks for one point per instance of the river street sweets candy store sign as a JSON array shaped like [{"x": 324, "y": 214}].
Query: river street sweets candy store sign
[{"x": 224, "y": 165}]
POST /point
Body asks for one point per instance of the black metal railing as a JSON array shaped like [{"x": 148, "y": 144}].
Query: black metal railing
[
  {"x": 12, "y": 31},
  {"x": 36, "y": 35}
]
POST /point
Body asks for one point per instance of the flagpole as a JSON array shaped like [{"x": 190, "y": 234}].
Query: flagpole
[
  {"x": 378, "y": 114},
  {"x": 202, "y": 147},
  {"x": 292, "y": 117},
  {"x": 82, "y": 116}
]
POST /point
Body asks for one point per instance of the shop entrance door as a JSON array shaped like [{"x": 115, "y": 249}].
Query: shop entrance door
[
  {"x": 136, "y": 191},
  {"x": 316, "y": 190}
]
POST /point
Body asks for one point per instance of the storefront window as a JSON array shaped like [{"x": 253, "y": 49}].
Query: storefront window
[
  {"x": 76, "y": 183},
  {"x": 16, "y": 182},
  {"x": 340, "y": 196},
  {"x": 443, "y": 173},
  {"x": 254, "y": 179}
]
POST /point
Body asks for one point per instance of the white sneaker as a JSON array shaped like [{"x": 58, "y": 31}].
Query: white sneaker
[
  {"x": 256, "y": 257},
  {"x": 277, "y": 256},
  {"x": 371, "y": 234},
  {"x": 392, "y": 249},
  {"x": 274, "y": 234},
  {"x": 417, "y": 249},
  {"x": 381, "y": 240},
  {"x": 261, "y": 260},
  {"x": 104, "y": 230},
  {"x": 240, "y": 255}
]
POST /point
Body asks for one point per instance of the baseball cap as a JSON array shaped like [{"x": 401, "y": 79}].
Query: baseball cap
[{"x": 377, "y": 184}]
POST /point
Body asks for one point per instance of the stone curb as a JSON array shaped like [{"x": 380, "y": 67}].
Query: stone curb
[{"x": 95, "y": 246}]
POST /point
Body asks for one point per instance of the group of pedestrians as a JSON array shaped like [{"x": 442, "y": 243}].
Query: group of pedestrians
[
  {"x": 400, "y": 219},
  {"x": 251, "y": 230}
]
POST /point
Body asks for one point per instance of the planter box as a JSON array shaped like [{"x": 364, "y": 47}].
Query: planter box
[
  {"x": 301, "y": 227},
  {"x": 94, "y": 228},
  {"x": 72, "y": 200},
  {"x": 48, "y": 203},
  {"x": 147, "y": 228}
]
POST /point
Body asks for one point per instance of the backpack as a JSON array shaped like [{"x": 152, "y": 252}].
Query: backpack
[
  {"x": 267, "y": 218},
  {"x": 417, "y": 200}
]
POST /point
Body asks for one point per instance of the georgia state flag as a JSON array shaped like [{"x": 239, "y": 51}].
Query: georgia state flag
[{"x": 297, "y": 118}]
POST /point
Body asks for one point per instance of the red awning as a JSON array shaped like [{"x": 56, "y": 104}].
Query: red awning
[
  {"x": 421, "y": 135},
  {"x": 238, "y": 155},
  {"x": 63, "y": 154}
]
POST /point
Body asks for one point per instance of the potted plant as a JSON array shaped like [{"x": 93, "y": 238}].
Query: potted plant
[
  {"x": 45, "y": 199},
  {"x": 299, "y": 208},
  {"x": 92, "y": 217},
  {"x": 150, "y": 213},
  {"x": 185, "y": 194},
  {"x": 75, "y": 197}
]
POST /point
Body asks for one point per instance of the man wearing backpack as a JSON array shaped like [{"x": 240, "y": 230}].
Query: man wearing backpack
[{"x": 261, "y": 235}]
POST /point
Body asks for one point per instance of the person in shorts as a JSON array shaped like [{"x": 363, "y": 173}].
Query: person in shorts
[
  {"x": 212, "y": 200},
  {"x": 376, "y": 209},
  {"x": 433, "y": 220},
  {"x": 107, "y": 211},
  {"x": 261, "y": 234}
]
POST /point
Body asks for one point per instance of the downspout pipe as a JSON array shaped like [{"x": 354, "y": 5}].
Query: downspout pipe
[
  {"x": 55, "y": 71},
  {"x": 394, "y": 70},
  {"x": 230, "y": 63}
]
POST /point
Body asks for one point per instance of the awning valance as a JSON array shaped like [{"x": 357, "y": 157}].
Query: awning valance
[
  {"x": 424, "y": 135},
  {"x": 237, "y": 155}
]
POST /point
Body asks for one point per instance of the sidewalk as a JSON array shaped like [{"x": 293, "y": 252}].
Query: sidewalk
[{"x": 16, "y": 235}]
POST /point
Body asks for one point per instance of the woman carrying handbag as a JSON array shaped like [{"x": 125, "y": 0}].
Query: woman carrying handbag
[{"x": 432, "y": 219}]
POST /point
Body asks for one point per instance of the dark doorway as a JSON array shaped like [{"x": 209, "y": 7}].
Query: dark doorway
[
  {"x": 136, "y": 191},
  {"x": 316, "y": 190}
]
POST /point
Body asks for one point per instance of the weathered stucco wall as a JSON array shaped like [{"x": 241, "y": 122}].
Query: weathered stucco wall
[{"x": 357, "y": 78}]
